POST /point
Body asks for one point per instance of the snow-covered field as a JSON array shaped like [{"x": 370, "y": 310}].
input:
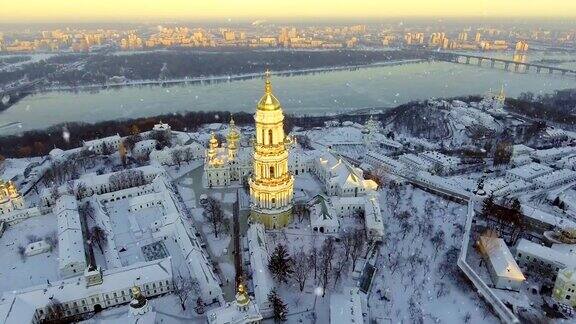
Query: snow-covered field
[{"x": 18, "y": 272}]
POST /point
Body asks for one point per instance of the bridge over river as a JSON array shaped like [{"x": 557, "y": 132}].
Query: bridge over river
[
  {"x": 506, "y": 64},
  {"x": 12, "y": 93}
]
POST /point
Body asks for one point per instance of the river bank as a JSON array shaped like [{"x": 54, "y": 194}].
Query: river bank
[{"x": 228, "y": 78}]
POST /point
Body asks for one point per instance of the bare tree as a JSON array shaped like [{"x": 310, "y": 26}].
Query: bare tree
[
  {"x": 214, "y": 214},
  {"x": 359, "y": 240},
  {"x": 302, "y": 266},
  {"x": 99, "y": 236},
  {"x": 326, "y": 255},
  {"x": 448, "y": 264},
  {"x": 81, "y": 190},
  {"x": 342, "y": 264},
  {"x": 21, "y": 252},
  {"x": 127, "y": 179},
  {"x": 52, "y": 239},
  {"x": 176, "y": 157},
  {"x": 313, "y": 260},
  {"x": 87, "y": 210},
  {"x": 183, "y": 288},
  {"x": 55, "y": 313},
  {"x": 438, "y": 241}
]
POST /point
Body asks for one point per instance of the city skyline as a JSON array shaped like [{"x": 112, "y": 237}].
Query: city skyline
[{"x": 131, "y": 10}]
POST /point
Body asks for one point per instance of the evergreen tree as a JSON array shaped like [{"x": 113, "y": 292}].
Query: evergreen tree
[
  {"x": 280, "y": 264},
  {"x": 280, "y": 309}
]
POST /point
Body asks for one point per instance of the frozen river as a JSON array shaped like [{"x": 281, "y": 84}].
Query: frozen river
[{"x": 325, "y": 92}]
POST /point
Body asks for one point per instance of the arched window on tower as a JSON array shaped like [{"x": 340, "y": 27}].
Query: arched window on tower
[
  {"x": 271, "y": 172},
  {"x": 270, "y": 137}
]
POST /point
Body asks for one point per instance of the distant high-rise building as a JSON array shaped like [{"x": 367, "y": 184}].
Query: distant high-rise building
[
  {"x": 521, "y": 46},
  {"x": 478, "y": 37},
  {"x": 463, "y": 37}
]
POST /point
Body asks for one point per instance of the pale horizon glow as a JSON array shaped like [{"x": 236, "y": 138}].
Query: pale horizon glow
[{"x": 138, "y": 10}]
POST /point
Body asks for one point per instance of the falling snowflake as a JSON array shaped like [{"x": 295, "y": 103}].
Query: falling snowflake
[{"x": 66, "y": 134}]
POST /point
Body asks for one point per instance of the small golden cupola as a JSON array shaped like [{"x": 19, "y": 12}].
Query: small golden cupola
[
  {"x": 232, "y": 138},
  {"x": 12, "y": 190},
  {"x": 242, "y": 298},
  {"x": 268, "y": 101},
  {"x": 212, "y": 146},
  {"x": 4, "y": 196}
]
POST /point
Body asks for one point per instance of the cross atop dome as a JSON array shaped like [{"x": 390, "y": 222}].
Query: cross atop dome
[
  {"x": 268, "y": 101},
  {"x": 268, "y": 86}
]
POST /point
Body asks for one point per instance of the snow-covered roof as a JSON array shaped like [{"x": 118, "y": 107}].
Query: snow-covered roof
[
  {"x": 70, "y": 237},
  {"x": 556, "y": 177},
  {"x": 512, "y": 187},
  {"x": 567, "y": 275},
  {"x": 555, "y": 152},
  {"x": 99, "y": 141},
  {"x": 94, "y": 180},
  {"x": 346, "y": 308},
  {"x": 500, "y": 258},
  {"x": 545, "y": 217},
  {"x": 439, "y": 158},
  {"x": 341, "y": 172},
  {"x": 521, "y": 149},
  {"x": 545, "y": 253},
  {"x": 565, "y": 248},
  {"x": 321, "y": 212},
  {"x": 530, "y": 171},
  {"x": 19, "y": 306},
  {"x": 413, "y": 159},
  {"x": 230, "y": 314},
  {"x": 261, "y": 277},
  {"x": 145, "y": 144},
  {"x": 345, "y": 135},
  {"x": 384, "y": 160},
  {"x": 373, "y": 214}
]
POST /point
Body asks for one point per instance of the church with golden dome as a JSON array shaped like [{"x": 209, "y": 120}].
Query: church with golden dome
[
  {"x": 10, "y": 198},
  {"x": 271, "y": 183},
  {"x": 265, "y": 164},
  {"x": 226, "y": 163}
]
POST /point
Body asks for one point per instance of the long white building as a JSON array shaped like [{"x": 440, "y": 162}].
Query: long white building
[
  {"x": 71, "y": 249},
  {"x": 261, "y": 278}
]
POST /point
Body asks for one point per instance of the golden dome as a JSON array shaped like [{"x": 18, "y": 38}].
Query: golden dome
[
  {"x": 233, "y": 134},
  {"x": 268, "y": 101},
  {"x": 213, "y": 140},
  {"x": 242, "y": 298}
]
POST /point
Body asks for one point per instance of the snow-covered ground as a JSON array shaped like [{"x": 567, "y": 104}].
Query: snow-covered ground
[
  {"x": 18, "y": 272},
  {"x": 413, "y": 283}
]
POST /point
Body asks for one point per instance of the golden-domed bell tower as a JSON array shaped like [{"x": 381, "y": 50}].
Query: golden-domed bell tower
[{"x": 271, "y": 184}]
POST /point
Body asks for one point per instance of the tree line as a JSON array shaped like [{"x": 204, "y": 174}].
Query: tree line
[
  {"x": 98, "y": 68},
  {"x": 41, "y": 142}
]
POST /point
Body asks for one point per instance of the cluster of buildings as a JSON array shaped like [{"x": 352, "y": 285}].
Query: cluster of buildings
[
  {"x": 554, "y": 264},
  {"x": 262, "y": 35}
]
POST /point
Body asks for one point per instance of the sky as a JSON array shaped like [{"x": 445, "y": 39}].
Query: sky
[{"x": 14, "y": 11}]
